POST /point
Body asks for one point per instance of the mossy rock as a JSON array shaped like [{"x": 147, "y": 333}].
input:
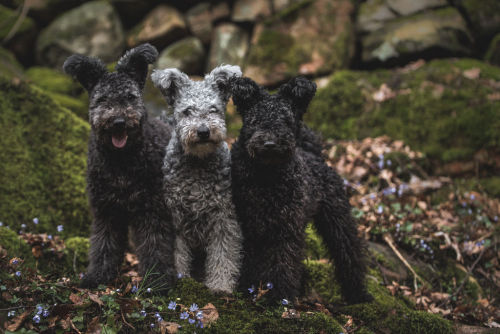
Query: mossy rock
[
  {"x": 243, "y": 316},
  {"x": 8, "y": 17},
  {"x": 483, "y": 15},
  {"x": 15, "y": 246},
  {"x": 493, "y": 54},
  {"x": 9, "y": 66},
  {"x": 308, "y": 38},
  {"x": 76, "y": 251},
  {"x": 436, "y": 108},
  {"x": 43, "y": 161},
  {"x": 61, "y": 88}
]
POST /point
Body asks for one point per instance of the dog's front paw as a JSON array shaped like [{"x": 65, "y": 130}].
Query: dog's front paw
[{"x": 89, "y": 282}]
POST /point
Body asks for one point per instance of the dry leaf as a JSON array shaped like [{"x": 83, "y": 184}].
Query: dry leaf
[
  {"x": 15, "y": 323},
  {"x": 94, "y": 327},
  {"x": 290, "y": 314},
  {"x": 210, "y": 314},
  {"x": 95, "y": 298},
  {"x": 168, "y": 327},
  {"x": 472, "y": 73}
]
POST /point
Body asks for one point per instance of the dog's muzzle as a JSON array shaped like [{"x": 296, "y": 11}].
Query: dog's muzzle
[{"x": 119, "y": 133}]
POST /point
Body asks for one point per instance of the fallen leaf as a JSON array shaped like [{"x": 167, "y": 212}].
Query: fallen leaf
[
  {"x": 291, "y": 314},
  {"x": 15, "y": 323},
  {"x": 472, "y": 73},
  {"x": 168, "y": 327},
  {"x": 210, "y": 314},
  {"x": 95, "y": 298}
]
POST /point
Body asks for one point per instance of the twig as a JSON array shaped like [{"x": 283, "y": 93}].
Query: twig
[
  {"x": 126, "y": 323},
  {"x": 466, "y": 278},
  {"x": 19, "y": 21},
  {"x": 12, "y": 308},
  {"x": 384, "y": 277},
  {"x": 390, "y": 242}
]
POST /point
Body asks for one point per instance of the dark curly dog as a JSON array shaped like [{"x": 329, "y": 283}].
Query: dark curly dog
[
  {"x": 124, "y": 177},
  {"x": 197, "y": 177},
  {"x": 280, "y": 182}
]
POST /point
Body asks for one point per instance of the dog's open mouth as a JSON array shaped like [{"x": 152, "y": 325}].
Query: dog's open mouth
[{"x": 119, "y": 138}]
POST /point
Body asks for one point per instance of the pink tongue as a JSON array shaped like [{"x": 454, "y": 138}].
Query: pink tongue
[{"x": 119, "y": 142}]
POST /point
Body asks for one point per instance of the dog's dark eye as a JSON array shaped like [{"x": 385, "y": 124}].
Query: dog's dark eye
[
  {"x": 100, "y": 99},
  {"x": 187, "y": 111},
  {"x": 131, "y": 96},
  {"x": 213, "y": 110}
]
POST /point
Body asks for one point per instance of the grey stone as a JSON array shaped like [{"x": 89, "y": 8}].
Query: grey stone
[
  {"x": 187, "y": 55},
  {"x": 199, "y": 19},
  {"x": 92, "y": 29},
  {"x": 250, "y": 10},
  {"x": 408, "y": 7},
  {"x": 163, "y": 25},
  {"x": 442, "y": 29},
  {"x": 373, "y": 14},
  {"x": 229, "y": 46}
]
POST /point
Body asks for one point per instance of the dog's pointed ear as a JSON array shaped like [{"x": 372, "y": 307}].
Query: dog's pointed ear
[
  {"x": 220, "y": 78},
  {"x": 135, "y": 62},
  {"x": 88, "y": 71},
  {"x": 246, "y": 93},
  {"x": 300, "y": 92},
  {"x": 170, "y": 81}
]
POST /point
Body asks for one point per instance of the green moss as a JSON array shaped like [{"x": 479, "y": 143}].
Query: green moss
[
  {"x": 15, "y": 246},
  {"x": 493, "y": 54},
  {"x": 43, "y": 161},
  {"x": 9, "y": 66},
  {"x": 492, "y": 185},
  {"x": 8, "y": 18},
  {"x": 315, "y": 249},
  {"x": 437, "y": 110},
  {"x": 77, "y": 249},
  {"x": 272, "y": 48},
  {"x": 61, "y": 88}
]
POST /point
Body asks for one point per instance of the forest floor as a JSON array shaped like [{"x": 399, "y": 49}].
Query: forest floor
[{"x": 434, "y": 244}]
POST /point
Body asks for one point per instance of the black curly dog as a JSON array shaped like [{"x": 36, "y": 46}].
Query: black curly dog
[
  {"x": 280, "y": 183},
  {"x": 124, "y": 177}
]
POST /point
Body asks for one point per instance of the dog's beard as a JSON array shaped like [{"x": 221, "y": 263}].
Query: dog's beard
[{"x": 202, "y": 148}]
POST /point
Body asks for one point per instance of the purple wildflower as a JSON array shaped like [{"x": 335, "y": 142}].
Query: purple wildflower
[
  {"x": 184, "y": 315},
  {"x": 60, "y": 228},
  {"x": 193, "y": 307},
  {"x": 35, "y": 221},
  {"x": 172, "y": 305},
  {"x": 36, "y": 319}
]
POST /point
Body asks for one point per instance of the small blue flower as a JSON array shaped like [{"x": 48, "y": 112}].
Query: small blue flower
[
  {"x": 199, "y": 324},
  {"x": 60, "y": 228},
  {"x": 284, "y": 301},
  {"x": 372, "y": 196},
  {"x": 193, "y": 307},
  {"x": 172, "y": 305},
  {"x": 184, "y": 315},
  {"x": 152, "y": 325},
  {"x": 49, "y": 237},
  {"x": 39, "y": 309},
  {"x": 18, "y": 273},
  {"x": 472, "y": 197},
  {"x": 191, "y": 321},
  {"x": 380, "y": 164},
  {"x": 269, "y": 285},
  {"x": 81, "y": 275},
  {"x": 45, "y": 313},
  {"x": 157, "y": 315},
  {"x": 35, "y": 221},
  {"x": 15, "y": 261},
  {"x": 180, "y": 275},
  {"x": 36, "y": 319},
  {"x": 346, "y": 183},
  {"x": 148, "y": 290},
  {"x": 388, "y": 162},
  {"x": 251, "y": 289},
  {"x": 118, "y": 290},
  {"x": 1, "y": 223},
  {"x": 143, "y": 313},
  {"x": 495, "y": 218},
  {"x": 380, "y": 209},
  {"x": 199, "y": 315},
  {"x": 11, "y": 313},
  {"x": 469, "y": 211},
  {"x": 23, "y": 226},
  {"x": 134, "y": 289},
  {"x": 464, "y": 204}
]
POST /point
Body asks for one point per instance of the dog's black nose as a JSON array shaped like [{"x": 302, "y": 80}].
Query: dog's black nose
[
  {"x": 269, "y": 144},
  {"x": 119, "y": 122},
  {"x": 203, "y": 132}
]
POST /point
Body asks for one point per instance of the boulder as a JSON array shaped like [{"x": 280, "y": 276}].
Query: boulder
[
  {"x": 309, "y": 38},
  {"x": 484, "y": 16},
  {"x": 9, "y": 67},
  {"x": 373, "y": 14},
  {"x": 199, "y": 19},
  {"x": 220, "y": 11},
  {"x": 251, "y": 10},
  {"x": 443, "y": 31},
  {"x": 93, "y": 29},
  {"x": 187, "y": 55},
  {"x": 493, "y": 53},
  {"x": 408, "y": 7},
  {"x": 43, "y": 156},
  {"x": 163, "y": 25},
  {"x": 447, "y": 109},
  {"x": 17, "y": 36},
  {"x": 229, "y": 46}
]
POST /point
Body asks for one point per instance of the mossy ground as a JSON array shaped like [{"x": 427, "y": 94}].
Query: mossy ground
[
  {"x": 436, "y": 109},
  {"x": 43, "y": 161}
]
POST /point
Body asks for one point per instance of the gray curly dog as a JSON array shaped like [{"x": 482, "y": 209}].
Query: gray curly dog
[{"x": 197, "y": 177}]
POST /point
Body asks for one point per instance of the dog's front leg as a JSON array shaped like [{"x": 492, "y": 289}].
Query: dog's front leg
[
  {"x": 183, "y": 256},
  {"x": 224, "y": 255}
]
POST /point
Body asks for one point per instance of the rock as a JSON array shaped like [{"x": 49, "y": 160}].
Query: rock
[
  {"x": 432, "y": 105},
  {"x": 61, "y": 88},
  {"x": 93, "y": 29},
  {"x": 310, "y": 38},
  {"x": 373, "y": 14},
  {"x": 199, "y": 19},
  {"x": 442, "y": 30},
  {"x": 43, "y": 156},
  {"x": 187, "y": 55},
  {"x": 484, "y": 16},
  {"x": 493, "y": 53},
  {"x": 18, "y": 38},
  {"x": 132, "y": 12},
  {"x": 408, "y": 7},
  {"x": 250, "y": 10},
  {"x": 9, "y": 67},
  {"x": 229, "y": 46},
  {"x": 161, "y": 26},
  {"x": 220, "y": 11}
]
